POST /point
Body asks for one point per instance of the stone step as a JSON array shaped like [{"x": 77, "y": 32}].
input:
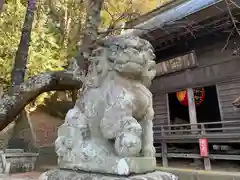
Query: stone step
[
  {"x": 20, "y": 161},
  {"x": 14, "y": 150},
  {"x": 24, "y": 154}
]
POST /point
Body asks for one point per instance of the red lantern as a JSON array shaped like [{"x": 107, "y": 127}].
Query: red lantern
[{"x": 199, "y": 95}]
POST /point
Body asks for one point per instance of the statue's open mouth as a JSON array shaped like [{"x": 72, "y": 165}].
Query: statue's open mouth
[
  {"x": 151, "y": 65},
  {"x": 139, "y": 67}
]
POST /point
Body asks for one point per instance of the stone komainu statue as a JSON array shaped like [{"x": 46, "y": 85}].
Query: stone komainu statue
[{"x": 110, "y": 128}]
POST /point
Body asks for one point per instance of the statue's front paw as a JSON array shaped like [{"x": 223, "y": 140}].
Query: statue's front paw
[
  {"x": 127, "y": 144},
  {"x": 149, "y": 151}
]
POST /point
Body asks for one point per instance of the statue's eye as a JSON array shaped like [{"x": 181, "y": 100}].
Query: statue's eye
[{"x": 116, "y": 47}]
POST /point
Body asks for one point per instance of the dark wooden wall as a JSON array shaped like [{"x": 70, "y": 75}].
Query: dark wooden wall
[
  {"x": 160, "y": 105},
  {"x": 228, "y": 91},
  {"x": 215, "y": 67}
]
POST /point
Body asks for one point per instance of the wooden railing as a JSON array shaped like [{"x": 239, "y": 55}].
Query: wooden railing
[{"x": 225, "y": 132}]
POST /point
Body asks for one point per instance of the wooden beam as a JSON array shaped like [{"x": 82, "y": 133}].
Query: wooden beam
[
  {"x": 168, "y": 111},
  {"x": 178, "y": 63},
  {"x": 197, "y": 156},
  {"x": 216, "y": 137},
  {"x": 200, "y": 76},
  {"x": 192, "y": 110}
]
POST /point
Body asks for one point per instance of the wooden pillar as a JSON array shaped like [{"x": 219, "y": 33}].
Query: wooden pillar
[
  {"x": 206, "y": 159},
  {"x": 164, "y": 150},
  {"x": 192, "y": 110}
]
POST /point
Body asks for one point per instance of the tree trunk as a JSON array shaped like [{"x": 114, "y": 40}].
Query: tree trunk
[
  {"x": 1, "y": 5},
  {"x": 90, "y": 32},
  {"x": 74, "y": 94},
  {"x": 20, "y": 63},
  {"x": 12, "y": 105},
  {"x": 19, "y": 69}
]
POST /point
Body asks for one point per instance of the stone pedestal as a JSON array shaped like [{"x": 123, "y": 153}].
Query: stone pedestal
[
  {"x": 114, "y": 165},
  {"x": 58, "y": 174}
]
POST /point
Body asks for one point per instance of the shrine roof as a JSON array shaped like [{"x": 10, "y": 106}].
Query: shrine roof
[
  {"x": 182, "y": 18},
  {"x": 168, "y": 14}
]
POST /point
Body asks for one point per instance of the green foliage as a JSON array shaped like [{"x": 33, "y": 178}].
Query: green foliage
[
  {"x": 44, "y": 54},
  {"x": 117, "y": 11},
  {"x": 56, "y": 31},
  {"x": 68, "y": 18},
  {"x": 10, "y": 23}
]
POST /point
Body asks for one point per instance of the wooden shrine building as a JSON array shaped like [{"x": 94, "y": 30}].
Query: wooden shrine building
[{"x": 197, "y": 44}]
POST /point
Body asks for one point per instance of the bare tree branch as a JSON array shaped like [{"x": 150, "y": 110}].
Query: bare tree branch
[
  {"x": 228, "y": 38},
  {"x": 232, "y": 17},
  {"x": 235, "y": 4},
  {"x": 117, "y": 17},
  {"x": 90, "y": 32}
]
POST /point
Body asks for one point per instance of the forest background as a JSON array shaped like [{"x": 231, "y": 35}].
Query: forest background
[{"x": 56, "y": 32}]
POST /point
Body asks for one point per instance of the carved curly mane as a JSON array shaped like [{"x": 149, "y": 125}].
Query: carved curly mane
[{"x": 129, "y": 56}]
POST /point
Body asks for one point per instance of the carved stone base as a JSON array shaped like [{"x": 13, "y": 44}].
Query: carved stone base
[
  {"x": 114, "y": 165},
  {"x": 58, "y": 174}
]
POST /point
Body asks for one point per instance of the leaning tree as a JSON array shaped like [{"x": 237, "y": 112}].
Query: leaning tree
[{"x": 11, "y": 104}]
